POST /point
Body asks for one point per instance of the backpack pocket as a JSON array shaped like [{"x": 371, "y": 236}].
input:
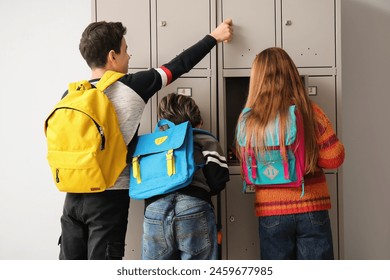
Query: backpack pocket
[
  {"x": 76, "y": 172},
  {"x": 270, "y": 172}
]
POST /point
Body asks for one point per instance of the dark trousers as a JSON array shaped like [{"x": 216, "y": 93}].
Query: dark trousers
[
  {"x": 306, "y": 236},
  {"x": 94, "y": 225}
]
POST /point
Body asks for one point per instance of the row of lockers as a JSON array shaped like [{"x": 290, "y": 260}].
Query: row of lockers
[{"x": 160, "y": 29}]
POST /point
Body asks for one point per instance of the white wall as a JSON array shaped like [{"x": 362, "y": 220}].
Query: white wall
[
  {"x": 38, "y": 57},
  {"x": 366, "y": 128}
]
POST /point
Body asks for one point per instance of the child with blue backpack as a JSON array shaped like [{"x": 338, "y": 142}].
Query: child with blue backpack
[
  {"x": 182, "y": 224},
  {"x": 292, "y": 224}
]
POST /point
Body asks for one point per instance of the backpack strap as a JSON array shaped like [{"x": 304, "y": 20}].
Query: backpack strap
[
  {"x": 108, "y": 79},
  {"x": 163, "y": 124},
  {"x": 283, "y": 153},
  {"x": 301, "y": 141},
  {"x": 253, "y": 163},
  {"x": 80, "y": 85}
]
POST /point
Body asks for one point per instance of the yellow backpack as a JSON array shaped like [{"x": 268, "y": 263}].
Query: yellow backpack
[{"x": 86, "y": 150}]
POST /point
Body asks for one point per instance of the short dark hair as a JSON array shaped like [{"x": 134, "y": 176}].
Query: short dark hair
[
  {"x": 98, "y": 39},
  {"x": 179, "y": 108}
]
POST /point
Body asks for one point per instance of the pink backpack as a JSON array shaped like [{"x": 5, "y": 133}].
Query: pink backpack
[{"x": 271, "y": 170}]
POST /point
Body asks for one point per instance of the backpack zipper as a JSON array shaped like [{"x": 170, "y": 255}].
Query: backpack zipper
[
  {"x": 57, "y": 175},
  {"x": 99, "y": 128},
  {"x": 103, "y": 142}
]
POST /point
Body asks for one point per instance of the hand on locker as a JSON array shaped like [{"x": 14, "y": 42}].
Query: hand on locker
[{"x": 224, "y": 31}]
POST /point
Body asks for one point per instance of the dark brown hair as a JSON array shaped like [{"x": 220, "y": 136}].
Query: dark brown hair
[
  {"x": 179, "y": 108},
  {"x": 98, "y": 39}
]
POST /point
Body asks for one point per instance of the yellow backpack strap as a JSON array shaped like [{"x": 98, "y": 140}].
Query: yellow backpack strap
[
  {"x": 171, "y": 169},
  {"x": 108, "y": 79},
  {"x": 81, "y": 85}
]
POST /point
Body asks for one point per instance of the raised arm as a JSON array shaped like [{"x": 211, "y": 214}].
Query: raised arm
[{"x": 146, "y": 83}]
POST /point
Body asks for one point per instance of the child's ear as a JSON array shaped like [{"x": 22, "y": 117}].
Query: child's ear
[{"x": 111, "y": 57}]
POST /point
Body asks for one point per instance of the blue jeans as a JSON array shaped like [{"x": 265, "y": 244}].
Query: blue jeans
[
  {"x": 179, "y": 226},
  {"x": 94, "y": 225},
  {"x": 306, "y": 236}
]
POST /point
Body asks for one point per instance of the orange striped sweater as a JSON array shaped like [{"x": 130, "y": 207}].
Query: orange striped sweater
[{"x": 282, "y": 201}]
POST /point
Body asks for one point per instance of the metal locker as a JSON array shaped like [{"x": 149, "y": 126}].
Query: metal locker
[
  {"x": 242, "y": 238},
  {"x": 199, "y": 88},
  {"x": 254, "y": 30},
  {"x": 305, "y": 29},
  {"x": 133, "y": 248},
  {"x": 308, "y": 32},
  {"x": 135, "y": 15},
  {"x": 180, "y": 24},
  {"x": 322, "y": 90}
]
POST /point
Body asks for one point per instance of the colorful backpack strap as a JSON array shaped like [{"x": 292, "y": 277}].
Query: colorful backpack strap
[
  {"x": 108, "y": 79},
  {"x": 81, "y": 85},
  {"x": 301, "y": 141}
]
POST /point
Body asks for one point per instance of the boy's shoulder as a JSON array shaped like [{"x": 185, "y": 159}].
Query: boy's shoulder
[{"x": 204, "y": 134}]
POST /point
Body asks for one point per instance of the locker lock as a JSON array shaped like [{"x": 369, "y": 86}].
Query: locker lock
[
  {"x": 163, "y": 23},
  {"x": 288, "y": 22},
  {"x": 232, "y": 219}
]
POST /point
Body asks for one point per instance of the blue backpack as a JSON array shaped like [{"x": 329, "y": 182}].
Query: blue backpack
[
  {"x": 270, "y": 169},
  {"x": 163, "y": 161}
]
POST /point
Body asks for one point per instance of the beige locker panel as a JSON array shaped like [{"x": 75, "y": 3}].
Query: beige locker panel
[
  {"x": 200, "y": 90},
  {"x": 180, "y": 24},
  {"x": 135, "y": 15},
  {"x": 146, "y": 120},
  {"x": 308, "y": 32},
  {"x": 322, "y": 90},
  {"x": 254, "y": 30},
  {"x": 331, "y": 179},
  {"x": 241, "y": 223},
  {"x": 133, "y": 240}
]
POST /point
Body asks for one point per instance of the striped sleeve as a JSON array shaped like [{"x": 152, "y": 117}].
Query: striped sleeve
[
  {"x": 331, "y": 152},
  {"x": 216, "y": 169},
  {"x": 186, "y": 60},
  {"x": 147, "y": 83}
]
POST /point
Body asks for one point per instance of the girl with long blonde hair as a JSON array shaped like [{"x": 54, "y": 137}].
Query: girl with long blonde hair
[{"x": 291, "y": 226}]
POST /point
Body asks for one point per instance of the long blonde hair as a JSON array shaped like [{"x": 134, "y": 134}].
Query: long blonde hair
[{"x": 274, "y": 86}]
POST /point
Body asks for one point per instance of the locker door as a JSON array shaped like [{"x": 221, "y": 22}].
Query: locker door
[
  {"x": 308, "y": 32},
  {"x": 133, "y": 240},
  {"x": 135, "y": 15},
  {"x": 180, "y": 24},
  {"x": 254, "y": 30},
  {"x": 322, "y": 90},
  {"x": 242, "y": 236},
  {"x": 199, "y": 89}
]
